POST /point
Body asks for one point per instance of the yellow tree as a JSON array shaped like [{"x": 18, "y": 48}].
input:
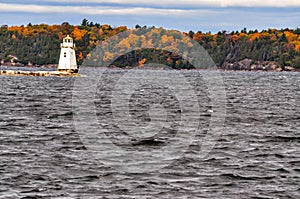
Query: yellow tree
[{"x": 78, "y": 34}]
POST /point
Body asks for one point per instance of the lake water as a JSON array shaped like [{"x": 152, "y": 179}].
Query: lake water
[{"x": 61, "y": 141}]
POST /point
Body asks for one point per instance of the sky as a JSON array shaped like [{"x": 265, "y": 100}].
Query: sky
[{"x": 183, "y": 15}]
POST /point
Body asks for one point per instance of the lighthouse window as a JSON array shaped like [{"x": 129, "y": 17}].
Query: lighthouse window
[{"x": 65, "y": 54}]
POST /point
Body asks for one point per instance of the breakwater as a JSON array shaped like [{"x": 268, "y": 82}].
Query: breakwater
[{"x": 38, "y": 73}]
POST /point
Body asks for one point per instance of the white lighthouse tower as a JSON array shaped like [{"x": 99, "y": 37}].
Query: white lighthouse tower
[{"x": 67, "y": 59}]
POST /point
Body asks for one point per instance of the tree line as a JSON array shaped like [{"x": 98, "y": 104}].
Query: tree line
[{"x": 40, "y": 44}]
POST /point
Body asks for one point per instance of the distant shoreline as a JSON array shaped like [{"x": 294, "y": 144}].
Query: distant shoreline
[
  {"x": 8, "y": 64},
  {"x": 54, "y": 66}
]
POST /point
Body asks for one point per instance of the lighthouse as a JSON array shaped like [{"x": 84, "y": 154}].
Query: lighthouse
[{"x": 67, "y": 59}]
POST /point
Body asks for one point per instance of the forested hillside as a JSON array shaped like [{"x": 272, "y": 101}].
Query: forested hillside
[{"x": 40, "y": 45}]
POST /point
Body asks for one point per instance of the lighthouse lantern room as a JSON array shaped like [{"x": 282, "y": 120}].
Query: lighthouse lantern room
[{"x": 67, "y": 59}]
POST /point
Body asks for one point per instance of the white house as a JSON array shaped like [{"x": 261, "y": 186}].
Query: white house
[{"x": 67, "y": 59}]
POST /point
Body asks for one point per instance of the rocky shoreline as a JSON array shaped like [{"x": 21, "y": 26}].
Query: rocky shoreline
[
  {"x": 17, "y": 64},
  {"x": 250, "y": 65},
  {"x": 243, "y": 65}
]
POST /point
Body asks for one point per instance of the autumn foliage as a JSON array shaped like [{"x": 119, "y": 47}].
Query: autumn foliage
[
  {"x": 40, "y": 44},
  {"x": 280, "y": 46}
]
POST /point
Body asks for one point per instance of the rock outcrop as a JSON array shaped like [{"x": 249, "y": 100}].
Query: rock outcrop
[{"x": 250, "y": 65}]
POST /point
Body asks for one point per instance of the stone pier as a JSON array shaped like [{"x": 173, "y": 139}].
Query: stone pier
[{"x": 38, "y": 73}]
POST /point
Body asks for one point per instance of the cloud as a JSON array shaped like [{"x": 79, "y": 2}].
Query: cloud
[
  {"x": 198, "y": 3},
  {"x": 184, "y": 18},
  {"x": 90, "y": 10}
]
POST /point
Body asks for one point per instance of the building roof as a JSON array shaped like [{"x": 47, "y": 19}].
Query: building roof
[{"x": 68, "y": 37}]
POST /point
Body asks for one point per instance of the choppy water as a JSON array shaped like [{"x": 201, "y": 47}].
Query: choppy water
[{"x": 42, "y": 154}]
